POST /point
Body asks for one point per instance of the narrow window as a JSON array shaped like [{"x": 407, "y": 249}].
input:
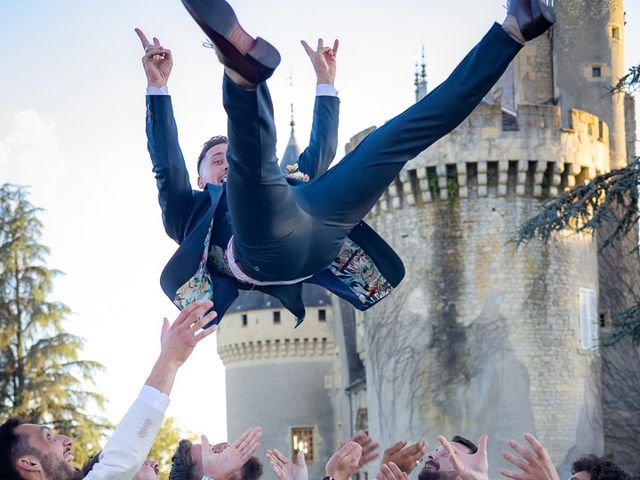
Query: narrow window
[
  {"x": 302, "y": 438},
  {"x": 615, "y": 32},
  {"x": 322, "y": 315},
  {"x": 245, "y": 320},
  {"x": 588, "y": 319},
  {"x": 596, "y": 72},
  {"x": 276, "y": 318}
]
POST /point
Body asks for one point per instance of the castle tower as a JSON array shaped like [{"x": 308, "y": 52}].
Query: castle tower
[
  {"x": 576, "y": 64},
  {"x": 576, "y": 67},
  {"x": 482, "y": 337},
  {"x": 281, "y": 378}
]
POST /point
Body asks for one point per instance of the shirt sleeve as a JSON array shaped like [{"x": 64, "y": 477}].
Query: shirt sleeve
[
  {"x": 326, "y": 90},
  {"x": 132, "y": 439},
  {"x": 163, "y": 90},
  {"x": 154, "y": 398}
]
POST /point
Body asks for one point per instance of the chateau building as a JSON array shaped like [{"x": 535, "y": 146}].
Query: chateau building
[{"x": 481, "y": 336}]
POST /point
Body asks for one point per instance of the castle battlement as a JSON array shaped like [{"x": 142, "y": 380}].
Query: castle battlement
[
  {"x": 280, "y": 349},
  {"x": 495, "y": 154}
]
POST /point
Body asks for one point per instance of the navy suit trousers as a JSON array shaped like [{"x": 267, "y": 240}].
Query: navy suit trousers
[{"x": 282, "y": 232}]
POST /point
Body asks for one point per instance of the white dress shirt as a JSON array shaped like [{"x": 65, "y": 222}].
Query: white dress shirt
[{"x": 128, "y": 447}]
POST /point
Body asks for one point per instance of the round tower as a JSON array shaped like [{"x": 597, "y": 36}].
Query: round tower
[
  {"x": 576, "y": 64},
  {"x": 588, "y": 48},
  {"x": 482, "y": 337},
  {"x": 281, "y": 378}
]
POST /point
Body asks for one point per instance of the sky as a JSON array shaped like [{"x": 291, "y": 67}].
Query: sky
[{"x": 72, "y": 118}]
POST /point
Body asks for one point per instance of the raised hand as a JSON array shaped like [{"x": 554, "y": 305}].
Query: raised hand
[
  {"x": 178, "y": 340},
  {"x": 533, "y": 466},
  {"x": 391, "y": 471},
  {"x": 323, "y": 60},
  {"x": 369, "y": 448},
  {"x": 285, "y": 469},
  {"x": 157, "y": 61},
  {"x": 468, "y": 466},
  {"x": 344, "y": 462},
  {"x": 405, "y": 457},
  {"x": 222, "y": 465}
]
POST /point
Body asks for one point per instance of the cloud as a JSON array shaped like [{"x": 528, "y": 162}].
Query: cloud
[{"x": 30, "y": 151}]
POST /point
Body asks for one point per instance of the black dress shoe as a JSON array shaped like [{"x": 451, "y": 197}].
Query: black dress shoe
[
  {"x": 254, "y": 59},
  {"x": 534, "y": 17}
]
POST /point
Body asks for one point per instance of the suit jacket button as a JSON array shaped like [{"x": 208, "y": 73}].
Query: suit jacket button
[{"x": 257, "y": 269}]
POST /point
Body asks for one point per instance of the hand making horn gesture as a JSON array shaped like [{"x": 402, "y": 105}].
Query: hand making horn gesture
[
  {"x": 157, "y": 61},
  {"x": 323, "y": 60}
]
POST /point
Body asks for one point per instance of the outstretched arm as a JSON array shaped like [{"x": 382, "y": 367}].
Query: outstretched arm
[
  {"x": 132, "y": 439},
  {"x": 323, "y": 144},
  {"x": 175, "y": 194}
]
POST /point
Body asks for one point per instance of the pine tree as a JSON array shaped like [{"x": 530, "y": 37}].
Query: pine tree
[{"x": 42, "y": 378}]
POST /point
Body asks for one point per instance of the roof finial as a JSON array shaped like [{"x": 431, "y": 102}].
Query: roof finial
[
  {"x": 292, "y": 124},
  {"x": 421, "y": 77}
]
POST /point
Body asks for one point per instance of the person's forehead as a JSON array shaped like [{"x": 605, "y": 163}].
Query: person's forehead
[
  {"x": 30, "y": 429},
  {"x": 36, "y": 434},
  {"x": 219, "y": 149}
]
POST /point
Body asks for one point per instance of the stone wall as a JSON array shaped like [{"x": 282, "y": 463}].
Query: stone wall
[{"x": 482, "y": 337}]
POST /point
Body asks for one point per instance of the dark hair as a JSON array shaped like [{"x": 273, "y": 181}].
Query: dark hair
[
  {"x": 212, "y": 142},
  {"x": 89, "y": 464},
  {"x": 599, "y": 468},
  {"x": 182, "y": 462},
  {"x": 252, "y": 469},
  {"x": 467, "y": 443},
  {"x": 12, "y": 447}
]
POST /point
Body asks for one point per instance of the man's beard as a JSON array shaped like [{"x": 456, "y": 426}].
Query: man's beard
[
  {"x": 435, "y": 473},
  {"x": 59, "y": 469}
]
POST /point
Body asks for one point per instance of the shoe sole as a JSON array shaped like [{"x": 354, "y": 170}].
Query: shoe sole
[{"x": 254, "y": 59}]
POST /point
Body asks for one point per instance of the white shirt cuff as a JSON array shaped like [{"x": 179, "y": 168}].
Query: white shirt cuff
[
  {"x": 154, "y": 397},
  {"x": 326, "y": 90},
  {"x": 163, "y": 90}
]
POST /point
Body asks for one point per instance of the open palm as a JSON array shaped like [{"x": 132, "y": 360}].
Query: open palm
[
  {"x": 468, "y": 466},
  {"x": 285, "y": 469}
]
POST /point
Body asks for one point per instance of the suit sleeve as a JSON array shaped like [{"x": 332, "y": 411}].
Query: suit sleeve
[
  {"x": 323, "y": 144},
  {"x": 175, "y": 194},
  {"x": 128, "y": 447}
]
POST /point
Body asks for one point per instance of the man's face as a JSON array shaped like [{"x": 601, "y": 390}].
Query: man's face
[
  {"x": 148, "y": 471},
  {"x": 214, "y": 166},
  {"x": 438, "y": 466},
  {"x": 54, "y": 452}
]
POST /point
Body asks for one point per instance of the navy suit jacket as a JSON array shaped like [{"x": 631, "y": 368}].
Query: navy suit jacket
[{"x": 366, "y": 270}]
